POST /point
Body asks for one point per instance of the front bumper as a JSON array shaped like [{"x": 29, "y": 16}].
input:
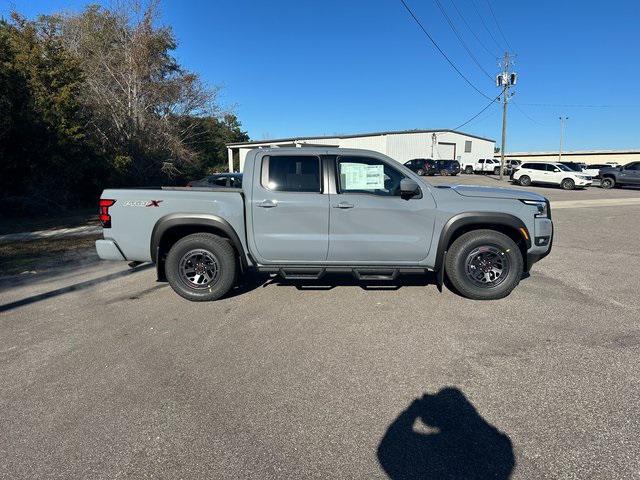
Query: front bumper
[
  {"x": 109, "y": 250},
  {"x": 542, "y": 242}
]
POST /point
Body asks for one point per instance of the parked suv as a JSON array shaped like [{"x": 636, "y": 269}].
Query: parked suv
[
  {"x": 621, "y": 176},
  {"x": 428, "y": 166},
  {"x": 233, "y": 180},
  {"x": 550, "y": 174},
  {"x": 511, "y": 166},
  {"x": 422, "y": 166},
  {"x": 448, "y": 167}
]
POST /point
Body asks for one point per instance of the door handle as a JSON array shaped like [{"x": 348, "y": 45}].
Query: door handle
[
  {"x": 268, "y": 204},
  {"x": 343, "y": 205}
]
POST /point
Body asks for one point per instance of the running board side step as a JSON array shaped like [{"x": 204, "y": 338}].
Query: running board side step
[
  {"x": 375, "y": 274},
  {"x": 294, "y": 273},
  {"x": 361, "y": 273}
]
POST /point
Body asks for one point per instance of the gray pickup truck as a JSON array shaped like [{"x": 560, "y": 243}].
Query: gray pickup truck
[{"x": 303, "y": 212}]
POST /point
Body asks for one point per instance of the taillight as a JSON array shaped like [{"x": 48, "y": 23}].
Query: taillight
[{"x": 104, "y": 216}]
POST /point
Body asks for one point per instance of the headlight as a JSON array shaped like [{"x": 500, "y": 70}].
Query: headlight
[
  {"x": 583, "y": 177},
  {"x": 543, "y": 211}
]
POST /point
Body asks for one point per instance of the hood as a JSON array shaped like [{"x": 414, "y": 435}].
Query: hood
[{"x": 493, "y": 192}]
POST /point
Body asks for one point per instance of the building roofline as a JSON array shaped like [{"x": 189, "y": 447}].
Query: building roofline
[
  {"x": 357, "y": 135},
  {"x": 574, "y": 152}
]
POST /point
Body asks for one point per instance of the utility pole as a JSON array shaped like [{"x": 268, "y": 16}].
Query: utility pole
[
  {"x": 562, "y": 120},
  {"x": 505, "y": 80}
]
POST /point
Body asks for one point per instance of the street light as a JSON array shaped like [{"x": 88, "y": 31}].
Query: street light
[{"x": 562, "y": 120}]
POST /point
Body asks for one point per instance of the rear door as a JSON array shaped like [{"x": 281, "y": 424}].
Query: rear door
[
  {"x": 370, "y": 222},
  {"x": 289, "y": 210}
]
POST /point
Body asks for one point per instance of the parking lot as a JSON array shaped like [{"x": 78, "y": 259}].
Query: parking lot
[{"x": 106, "y": 373}]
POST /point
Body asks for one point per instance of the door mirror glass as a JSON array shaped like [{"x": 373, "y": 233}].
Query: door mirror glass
[{"x": 408, "y": 187}]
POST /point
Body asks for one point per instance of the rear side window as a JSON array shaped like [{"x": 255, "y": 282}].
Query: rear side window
[
  {"x": 291, "y": 173},
  {"x": 533, "y": 166},
  {"x": 368, "y": 175}
]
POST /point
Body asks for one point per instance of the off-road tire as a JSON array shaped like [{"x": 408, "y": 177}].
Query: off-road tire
[
  {"x": 223, "y": 252},
  {"x": 568, "y": 184},
  {"x": 524, "y": 180},
  {"x": 607, "y": 183},
  {"x": 463, "y": 246}
]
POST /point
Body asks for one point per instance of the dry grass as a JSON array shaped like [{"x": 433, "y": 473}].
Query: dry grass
[
  {"x": 78, "y": 218},
  {"x": 39, "y": 255}
]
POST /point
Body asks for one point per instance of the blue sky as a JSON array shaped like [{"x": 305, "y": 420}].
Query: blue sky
[{"x": 295, "y": 68}]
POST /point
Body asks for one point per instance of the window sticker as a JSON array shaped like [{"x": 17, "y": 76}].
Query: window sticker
[{"x": 360, "y": 176}]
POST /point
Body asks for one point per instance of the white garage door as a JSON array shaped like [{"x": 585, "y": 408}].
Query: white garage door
[{"x": 445, "y": 151}]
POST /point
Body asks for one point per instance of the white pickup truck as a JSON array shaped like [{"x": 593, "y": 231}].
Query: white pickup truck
[{"x": 483, "y": 165}]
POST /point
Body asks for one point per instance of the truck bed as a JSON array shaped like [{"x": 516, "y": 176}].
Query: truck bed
[{"x": 136, "y": 211}]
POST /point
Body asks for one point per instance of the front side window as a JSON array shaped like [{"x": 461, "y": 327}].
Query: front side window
[
  {"x": 368, "y": 175},
  {"x": 291, "y": 173}
]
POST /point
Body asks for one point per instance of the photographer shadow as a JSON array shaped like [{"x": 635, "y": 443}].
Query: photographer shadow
[{"x": 442, "y": 436}]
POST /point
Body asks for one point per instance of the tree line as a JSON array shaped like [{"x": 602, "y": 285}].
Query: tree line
[{"x": 96, "y": 99}]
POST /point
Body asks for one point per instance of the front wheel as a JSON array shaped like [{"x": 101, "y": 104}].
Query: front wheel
[
  {"x": 607, "y": 182},
  {"x": 568, "y": 184},
  {"x": 420, "y": 172},
  {"x": 496, "y": 171},
  {"x": 484, "y": 265},
  {"x": 468, "y": 170},
  {"x": 201, "y": 267}
]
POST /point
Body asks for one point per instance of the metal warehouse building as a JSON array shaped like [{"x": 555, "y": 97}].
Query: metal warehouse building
[{"x": 400, "y": 145}]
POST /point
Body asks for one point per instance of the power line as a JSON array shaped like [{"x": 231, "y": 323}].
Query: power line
[
  {"x": 480, "y": 112},
  {"x": 526, "y": 115},
  {"x": 462, "y": 42},
  {"x": 442, "y": 52},
  {"x": 472, "y": 31},
  {"x": 475, "y": 7},
  {"x": 498, "y": 24},
  {"x": 573, "y": 105}
]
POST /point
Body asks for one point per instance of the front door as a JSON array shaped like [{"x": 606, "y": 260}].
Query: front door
[
  {"x": 630, "y": 174},
  {"x": 290, "y": 212},
  {"x": 370, "y": 222}
]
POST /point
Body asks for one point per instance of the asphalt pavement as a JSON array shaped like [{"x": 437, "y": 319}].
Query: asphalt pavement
[{"x": 106, "y": 373}]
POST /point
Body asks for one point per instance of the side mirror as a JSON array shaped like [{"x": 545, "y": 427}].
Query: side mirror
[{"x": 408, "y": 187}]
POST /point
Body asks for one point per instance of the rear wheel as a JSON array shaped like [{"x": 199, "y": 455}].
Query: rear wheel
[
  {"x": 568, "y": 184},
  {"x": 524, "y": 180},
  {"x": 484, "y": 265},
  {"x": 607, "y": 182},
  {"x": 201, "y": 267},
  {"x": 468, "y": 170},
  {"x": 444, "y": 173},
  {"x": 496, "y": 171}
]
